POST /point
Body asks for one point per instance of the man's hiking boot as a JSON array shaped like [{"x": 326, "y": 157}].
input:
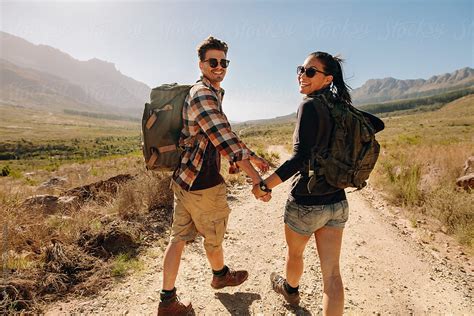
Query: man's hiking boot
[
  {"x": 278, "y": 284},
  {"x": 173, "y": 306},
  {"x": 231, "y": 278}
]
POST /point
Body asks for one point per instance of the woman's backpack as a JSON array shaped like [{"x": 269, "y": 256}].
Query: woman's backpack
[
  {"x": 161, "y": 126},
  {"x": 353, "y": 149}
]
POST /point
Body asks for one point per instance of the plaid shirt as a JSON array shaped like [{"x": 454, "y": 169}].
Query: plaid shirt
[{"x": 204, "y": 121}]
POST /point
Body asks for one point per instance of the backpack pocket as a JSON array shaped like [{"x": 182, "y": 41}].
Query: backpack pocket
[{"x": 337, "y": 173}]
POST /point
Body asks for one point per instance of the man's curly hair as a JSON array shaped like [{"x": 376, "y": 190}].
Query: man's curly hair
[{"x": 211, "y": 43}]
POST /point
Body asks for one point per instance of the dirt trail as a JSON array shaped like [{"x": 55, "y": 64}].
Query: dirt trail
[{"x": 385, "y": 270}]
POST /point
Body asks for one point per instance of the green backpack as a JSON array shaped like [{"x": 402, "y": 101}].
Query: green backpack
[
  {"x": 161, "y": 126},
  {"x": 353, "y": 149}
]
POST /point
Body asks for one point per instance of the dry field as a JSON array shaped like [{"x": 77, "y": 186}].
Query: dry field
[{"x": 423, "y": 155}]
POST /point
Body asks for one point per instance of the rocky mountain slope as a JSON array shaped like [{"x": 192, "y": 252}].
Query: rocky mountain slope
[
  {"x": 380, "y": 90},
  {"x": 99, "y": 80}
]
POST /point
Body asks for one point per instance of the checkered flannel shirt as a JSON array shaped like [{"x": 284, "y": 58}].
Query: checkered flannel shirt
[{"x": 204, "y": 121}]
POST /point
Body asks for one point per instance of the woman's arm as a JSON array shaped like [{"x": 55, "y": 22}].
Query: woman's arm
[{"x": 303, "y": 142}]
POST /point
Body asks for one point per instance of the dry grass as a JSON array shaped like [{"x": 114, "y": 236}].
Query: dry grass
[
  {"x": 422, "y": 155},
  {"x": 78, "y": 249},
  {"x": 34, "y": 124},
  {"x": 15, "y": 190}
]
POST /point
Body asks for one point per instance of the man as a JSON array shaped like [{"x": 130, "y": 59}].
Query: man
[{"x": 200, "y": 204}]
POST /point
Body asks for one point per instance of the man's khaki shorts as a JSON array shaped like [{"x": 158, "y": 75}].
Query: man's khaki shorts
[{"x": 202, "y": 211}]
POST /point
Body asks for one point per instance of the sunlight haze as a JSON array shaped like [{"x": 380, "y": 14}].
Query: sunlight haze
[{"x": 155, "y": 41}]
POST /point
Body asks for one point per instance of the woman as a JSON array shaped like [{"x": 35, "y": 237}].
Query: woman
[{"x": 322, "y": 210}]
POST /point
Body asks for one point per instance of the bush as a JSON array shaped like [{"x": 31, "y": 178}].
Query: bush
[
  {"x": 404, "y": 179},
  {"x": 454, "y": 210},
  {"x": 123, "y": 263},
  {"x": 6, "y": 171}
]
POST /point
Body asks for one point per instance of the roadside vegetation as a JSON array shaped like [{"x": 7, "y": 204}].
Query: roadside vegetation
[
  {"x": 422, "y": 156},
  {"x": 76, "y": 236}
]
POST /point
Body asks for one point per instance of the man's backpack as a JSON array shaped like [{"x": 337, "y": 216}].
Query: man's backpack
[
  {"x": 161, "y": 126},
  {"x": 353, "y": 149}
]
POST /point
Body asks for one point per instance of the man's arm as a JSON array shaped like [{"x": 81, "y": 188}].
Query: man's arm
[{"x": 204, "y": 108}]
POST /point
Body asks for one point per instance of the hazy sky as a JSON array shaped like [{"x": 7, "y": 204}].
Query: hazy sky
[{"x": 154, "y": 41}]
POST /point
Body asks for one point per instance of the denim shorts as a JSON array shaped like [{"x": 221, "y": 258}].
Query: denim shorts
[{"x": 306, "y": 219}]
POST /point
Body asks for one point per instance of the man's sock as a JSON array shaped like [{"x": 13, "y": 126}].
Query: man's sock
[
  {"x": 289, "y": 289},
  {"x": 167, "y": 294},
  {"x": 221, "y": 272}
]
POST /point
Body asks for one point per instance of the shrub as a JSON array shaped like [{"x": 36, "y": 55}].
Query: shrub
[
  {"x": 454, "y": 210},
  {"x": 403, "y": 177},
  {"x": 6, "y": 171},
  {"x": 123, "y": 263}
]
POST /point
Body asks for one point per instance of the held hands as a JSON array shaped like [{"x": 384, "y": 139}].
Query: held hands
[
  {"x": 260, "y": 190},
  {"x": 261, "y": 195}
]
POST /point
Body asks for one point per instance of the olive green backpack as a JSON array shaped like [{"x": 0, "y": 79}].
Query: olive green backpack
[
  {"x": 353, "y": 150},
  {"x": 161, "y": 126}
]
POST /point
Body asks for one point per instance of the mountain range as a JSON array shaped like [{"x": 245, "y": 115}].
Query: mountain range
[
  {"x": 94, "y": 84},
  {"x": 44, "y": 77},
  {"x": 388, "y": 89}
]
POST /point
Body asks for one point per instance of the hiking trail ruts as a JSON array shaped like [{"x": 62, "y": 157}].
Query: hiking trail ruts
[{"x": 385, "y": 269}]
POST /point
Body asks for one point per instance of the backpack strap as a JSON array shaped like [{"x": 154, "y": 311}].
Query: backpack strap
[
  {"x": 152, "y": 119},
  {"x": 153, "y": 158},
  {"x": 156, "y": 153},
  {"x": 315, "y": 165}
]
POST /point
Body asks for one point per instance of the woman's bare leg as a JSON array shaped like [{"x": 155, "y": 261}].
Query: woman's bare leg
[
  {"x": 328, "y": 242},
  {"x": 294, "y": 261}
]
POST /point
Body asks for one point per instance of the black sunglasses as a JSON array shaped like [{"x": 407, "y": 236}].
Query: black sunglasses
[
  {"x": 309, "y": 72},
  {"x": 213, "y": 62}
]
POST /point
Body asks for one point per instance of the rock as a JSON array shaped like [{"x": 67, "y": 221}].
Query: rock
[
  {"x": 54, "y": 182},
  {"x": 47, "y": 203},
  {"x": 397, "y": 171},
  {"x": 468, "y": 166},
  {"x": 308, "y": 291},
  {"x": 98, "y": 191},
  {"x": 466, "y": 182},
  {"x": 67, "y": 199}
]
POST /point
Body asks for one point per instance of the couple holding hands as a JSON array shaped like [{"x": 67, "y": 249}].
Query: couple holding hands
[{"x": 200, "y": 203}]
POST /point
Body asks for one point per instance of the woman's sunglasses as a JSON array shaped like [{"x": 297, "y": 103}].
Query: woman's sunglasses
[
  {"x": 309, "y": 72},
  {"x": 213, "y": 62}
]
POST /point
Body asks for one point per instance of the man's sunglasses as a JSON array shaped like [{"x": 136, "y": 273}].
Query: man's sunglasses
[
  {"x": 213, "y": 62},
  {"x": 309, "y": 72}
]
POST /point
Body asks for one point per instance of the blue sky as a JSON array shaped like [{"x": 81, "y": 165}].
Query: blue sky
[{"x": 155, "y": 41}]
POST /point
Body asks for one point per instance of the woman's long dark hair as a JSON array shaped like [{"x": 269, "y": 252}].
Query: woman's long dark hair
[{"x": 332, "y": 66}]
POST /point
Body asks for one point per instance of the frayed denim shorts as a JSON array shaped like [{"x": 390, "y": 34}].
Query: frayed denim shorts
[{"x": 306, "y": 219}]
